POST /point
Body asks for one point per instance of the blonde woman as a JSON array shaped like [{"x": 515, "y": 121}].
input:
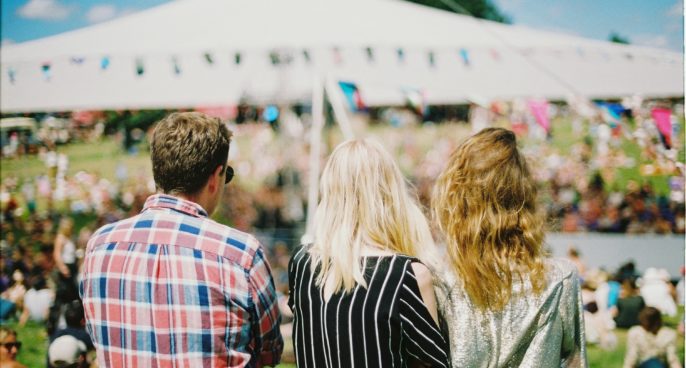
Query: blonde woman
[
  {"x": 506, "y": 304},
  {"x": 360, "y": 294}
]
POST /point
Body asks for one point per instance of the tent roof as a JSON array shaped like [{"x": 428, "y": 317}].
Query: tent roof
[{"x": 505, "y": 61}]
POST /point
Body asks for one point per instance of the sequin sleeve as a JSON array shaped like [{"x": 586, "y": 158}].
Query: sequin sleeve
[{"x": 573, "y": 351}]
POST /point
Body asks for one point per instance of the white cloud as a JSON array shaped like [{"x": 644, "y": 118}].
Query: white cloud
[
  {"x": 676, "y": 10},
  {"x": 99, "y": 13},
  {"x": 45, "y": 9},
  {"x": 650, "y": 40},
  {"x": 7, "y": 41},
  {"x": 103, "y": 12}
]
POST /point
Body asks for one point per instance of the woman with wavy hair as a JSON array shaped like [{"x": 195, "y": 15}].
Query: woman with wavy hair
[
  {"x": 360, "y": 294},
  {"x": 505, "y": 302}
]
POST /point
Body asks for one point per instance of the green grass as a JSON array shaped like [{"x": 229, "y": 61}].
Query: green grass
[
  {"x": 610, "y": 359},
  {"x": 34, "y": 348},
  {"x": 35, "y": 339},
  {"x": 101, "y": 157}
]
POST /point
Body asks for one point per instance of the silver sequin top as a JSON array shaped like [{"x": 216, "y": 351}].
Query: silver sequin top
[{"x": 545, "y": 330}]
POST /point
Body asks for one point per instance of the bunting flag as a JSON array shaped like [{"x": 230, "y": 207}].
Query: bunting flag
[
  {"x": 611, "y": 113},
  {"x": 370, "y": 54},
  {"x": 104, "y": 63},
  {"x": 352, "y": 95},
  {"x": 401, "y": 55},
  {"x": 12, "y": 75},
  {"x": 416, "y": 100},
  {"x": 45, "y": 68},
  {"x": 175, "y": 63},
  {"x": 208, "y": 58},
  {"x": 663, "y": 120},
  {"x": 275, "y": 58},
  {"x": 140, "y": 68},
  {"x": 432, "y": 59},
  {"x": 539, "y": 109},
  {"x": 464, "y": 54}
]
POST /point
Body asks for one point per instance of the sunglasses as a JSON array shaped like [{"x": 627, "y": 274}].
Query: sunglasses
[
  {"x": 229, "y": 174},
  {"x": 10, "y": 345}
]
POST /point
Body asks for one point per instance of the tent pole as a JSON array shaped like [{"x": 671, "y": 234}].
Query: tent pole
[
  {"x": 315, "y": 153},
  {"x": 334, "y": 94}
]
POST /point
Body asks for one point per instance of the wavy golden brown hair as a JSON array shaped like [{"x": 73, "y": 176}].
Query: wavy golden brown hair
[{"x": 485, "y": 204}]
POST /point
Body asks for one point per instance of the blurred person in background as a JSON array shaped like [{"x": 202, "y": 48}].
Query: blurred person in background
[
  {"x": 67, "y": 352},
  {"x": 64, "y": 254},
  {"x": 575, "y": 257},
  {"x": 505, "y": 303},
  {"x": 658, "y": 292},
  {"x": 76, "y": 325},
  {"x": 12, "y": 299},
  {"x": 628, "y": 306},
  {"x": 599, "y": 327},
  {"x": 650, "y": 345},
  {"x": 37, "y": 301},
  {"x": 9, "y": 348}
]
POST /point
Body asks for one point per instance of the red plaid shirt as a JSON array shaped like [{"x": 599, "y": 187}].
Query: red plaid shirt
[{"x": 170, "y": 287}]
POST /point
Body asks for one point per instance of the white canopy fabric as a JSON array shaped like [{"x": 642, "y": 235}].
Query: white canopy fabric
[{"x": 449, "y": 58}]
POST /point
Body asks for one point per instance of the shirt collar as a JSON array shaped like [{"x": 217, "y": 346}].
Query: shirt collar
[{"x": 165, "y": 201}]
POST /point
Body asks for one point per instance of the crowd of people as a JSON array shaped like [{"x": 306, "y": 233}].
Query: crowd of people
[{"x": 634, "y": 302}]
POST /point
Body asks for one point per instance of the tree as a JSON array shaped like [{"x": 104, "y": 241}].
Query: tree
[
  {"x": 483, "y": 9},
  {"x": 616, "y": 38}
]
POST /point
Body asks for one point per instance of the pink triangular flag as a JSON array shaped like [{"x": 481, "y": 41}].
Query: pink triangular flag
[{"x": 539, "y": 108}]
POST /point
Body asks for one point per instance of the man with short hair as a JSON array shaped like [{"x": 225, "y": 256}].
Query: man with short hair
[{"x": 170, "y": 287}]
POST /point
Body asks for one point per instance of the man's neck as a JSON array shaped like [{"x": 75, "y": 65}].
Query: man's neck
[{"x": 201, "y": 199}]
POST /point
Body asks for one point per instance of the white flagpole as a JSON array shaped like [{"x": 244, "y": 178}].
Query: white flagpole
[
  {"x": 334, "y": 94},
  {"x": 315, "y": 153}
]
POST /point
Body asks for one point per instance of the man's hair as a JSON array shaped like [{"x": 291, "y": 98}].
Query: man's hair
[{"x": 187, "y": 148}]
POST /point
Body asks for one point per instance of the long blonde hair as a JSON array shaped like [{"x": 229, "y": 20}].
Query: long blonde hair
[
  {"x": 364, "y": 200},
  {"x": 485, "y": 204}
]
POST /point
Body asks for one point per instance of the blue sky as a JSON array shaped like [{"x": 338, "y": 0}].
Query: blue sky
[{"x": 657, "y": 23}]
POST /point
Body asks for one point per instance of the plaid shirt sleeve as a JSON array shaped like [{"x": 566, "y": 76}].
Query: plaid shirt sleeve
[{"x": 266, "y": 316}]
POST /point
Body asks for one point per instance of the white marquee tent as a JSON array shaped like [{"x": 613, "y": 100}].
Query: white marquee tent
[{"x": 183, "y": 54}]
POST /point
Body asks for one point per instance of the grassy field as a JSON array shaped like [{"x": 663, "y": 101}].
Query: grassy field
[
  {"x": 101, "y": 158},
  {"x": 34, "y": 349}
]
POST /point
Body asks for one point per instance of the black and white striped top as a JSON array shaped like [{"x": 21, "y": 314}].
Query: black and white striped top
[{"x": 384, "y": 325}]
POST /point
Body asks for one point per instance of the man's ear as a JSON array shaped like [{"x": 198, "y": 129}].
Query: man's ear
[{"x": 216, "y": 179}]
